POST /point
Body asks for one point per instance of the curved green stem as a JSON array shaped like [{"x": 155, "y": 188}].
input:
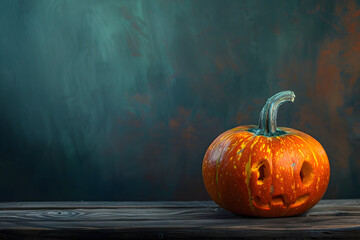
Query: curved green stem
[
  {"x": 268, "y": 115},
  {"x": 285, "y": 96},
  {"x": 264, "y": 114}
]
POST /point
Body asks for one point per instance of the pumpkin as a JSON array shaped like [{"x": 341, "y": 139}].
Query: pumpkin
[{"x": 266, "y": 171}]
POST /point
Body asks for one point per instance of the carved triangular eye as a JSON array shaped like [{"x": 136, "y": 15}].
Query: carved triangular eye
[
  {"x": 263, "y": 171},
  {"x": 306, "y": 173}
]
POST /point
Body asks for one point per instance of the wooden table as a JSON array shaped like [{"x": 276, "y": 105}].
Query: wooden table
[{"x": 170, "y": 220}]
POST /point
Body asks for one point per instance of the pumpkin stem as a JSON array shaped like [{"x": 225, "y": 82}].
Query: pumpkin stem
[
  {"x": 264, "y": 114},
  {"x": 268, "y": 115}
]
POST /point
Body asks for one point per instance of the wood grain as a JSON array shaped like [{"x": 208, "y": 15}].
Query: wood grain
[{"x": 170, "y": 220}]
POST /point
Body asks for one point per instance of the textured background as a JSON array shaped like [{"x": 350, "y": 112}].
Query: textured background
[{"x": 119, "y": 100}]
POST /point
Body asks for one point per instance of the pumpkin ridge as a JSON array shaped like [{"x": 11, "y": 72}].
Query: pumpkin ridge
[{"x": 248, "y": 172}]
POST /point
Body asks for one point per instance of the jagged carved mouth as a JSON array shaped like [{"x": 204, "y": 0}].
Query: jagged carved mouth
[{"x": 280, "y": 201}]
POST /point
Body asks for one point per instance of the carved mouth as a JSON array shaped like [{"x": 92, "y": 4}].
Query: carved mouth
[{"x": 280, "y": 201}]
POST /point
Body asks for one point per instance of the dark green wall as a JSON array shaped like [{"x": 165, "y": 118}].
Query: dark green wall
[{"x": 119, "y": 100}]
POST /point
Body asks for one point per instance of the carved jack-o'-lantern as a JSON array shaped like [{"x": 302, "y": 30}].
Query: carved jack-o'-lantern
[{"x": 266, "y": 171}]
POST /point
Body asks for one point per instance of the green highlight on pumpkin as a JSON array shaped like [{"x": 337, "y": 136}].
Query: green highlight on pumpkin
[{"x": 217, "y": 169}]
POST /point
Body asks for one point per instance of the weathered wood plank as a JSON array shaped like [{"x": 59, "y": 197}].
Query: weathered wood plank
[
  {"x": 172, "y": 220},
  {"x": 110, "y": 204},
  {"x": 101, "y": 205}
]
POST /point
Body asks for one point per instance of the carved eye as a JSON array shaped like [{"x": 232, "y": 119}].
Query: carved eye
[
  {"x": 306, "y": 173},
  {"x": 263, "y": 170}
]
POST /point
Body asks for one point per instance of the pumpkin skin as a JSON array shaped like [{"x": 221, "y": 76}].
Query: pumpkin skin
[{"x": 266, "y": 176}]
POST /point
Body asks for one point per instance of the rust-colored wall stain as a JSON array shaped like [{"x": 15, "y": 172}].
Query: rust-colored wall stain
[{"x": 331, "y": 85}]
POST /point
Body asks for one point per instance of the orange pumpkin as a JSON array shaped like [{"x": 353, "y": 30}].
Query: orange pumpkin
[{"x": 266, "y": 171}]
